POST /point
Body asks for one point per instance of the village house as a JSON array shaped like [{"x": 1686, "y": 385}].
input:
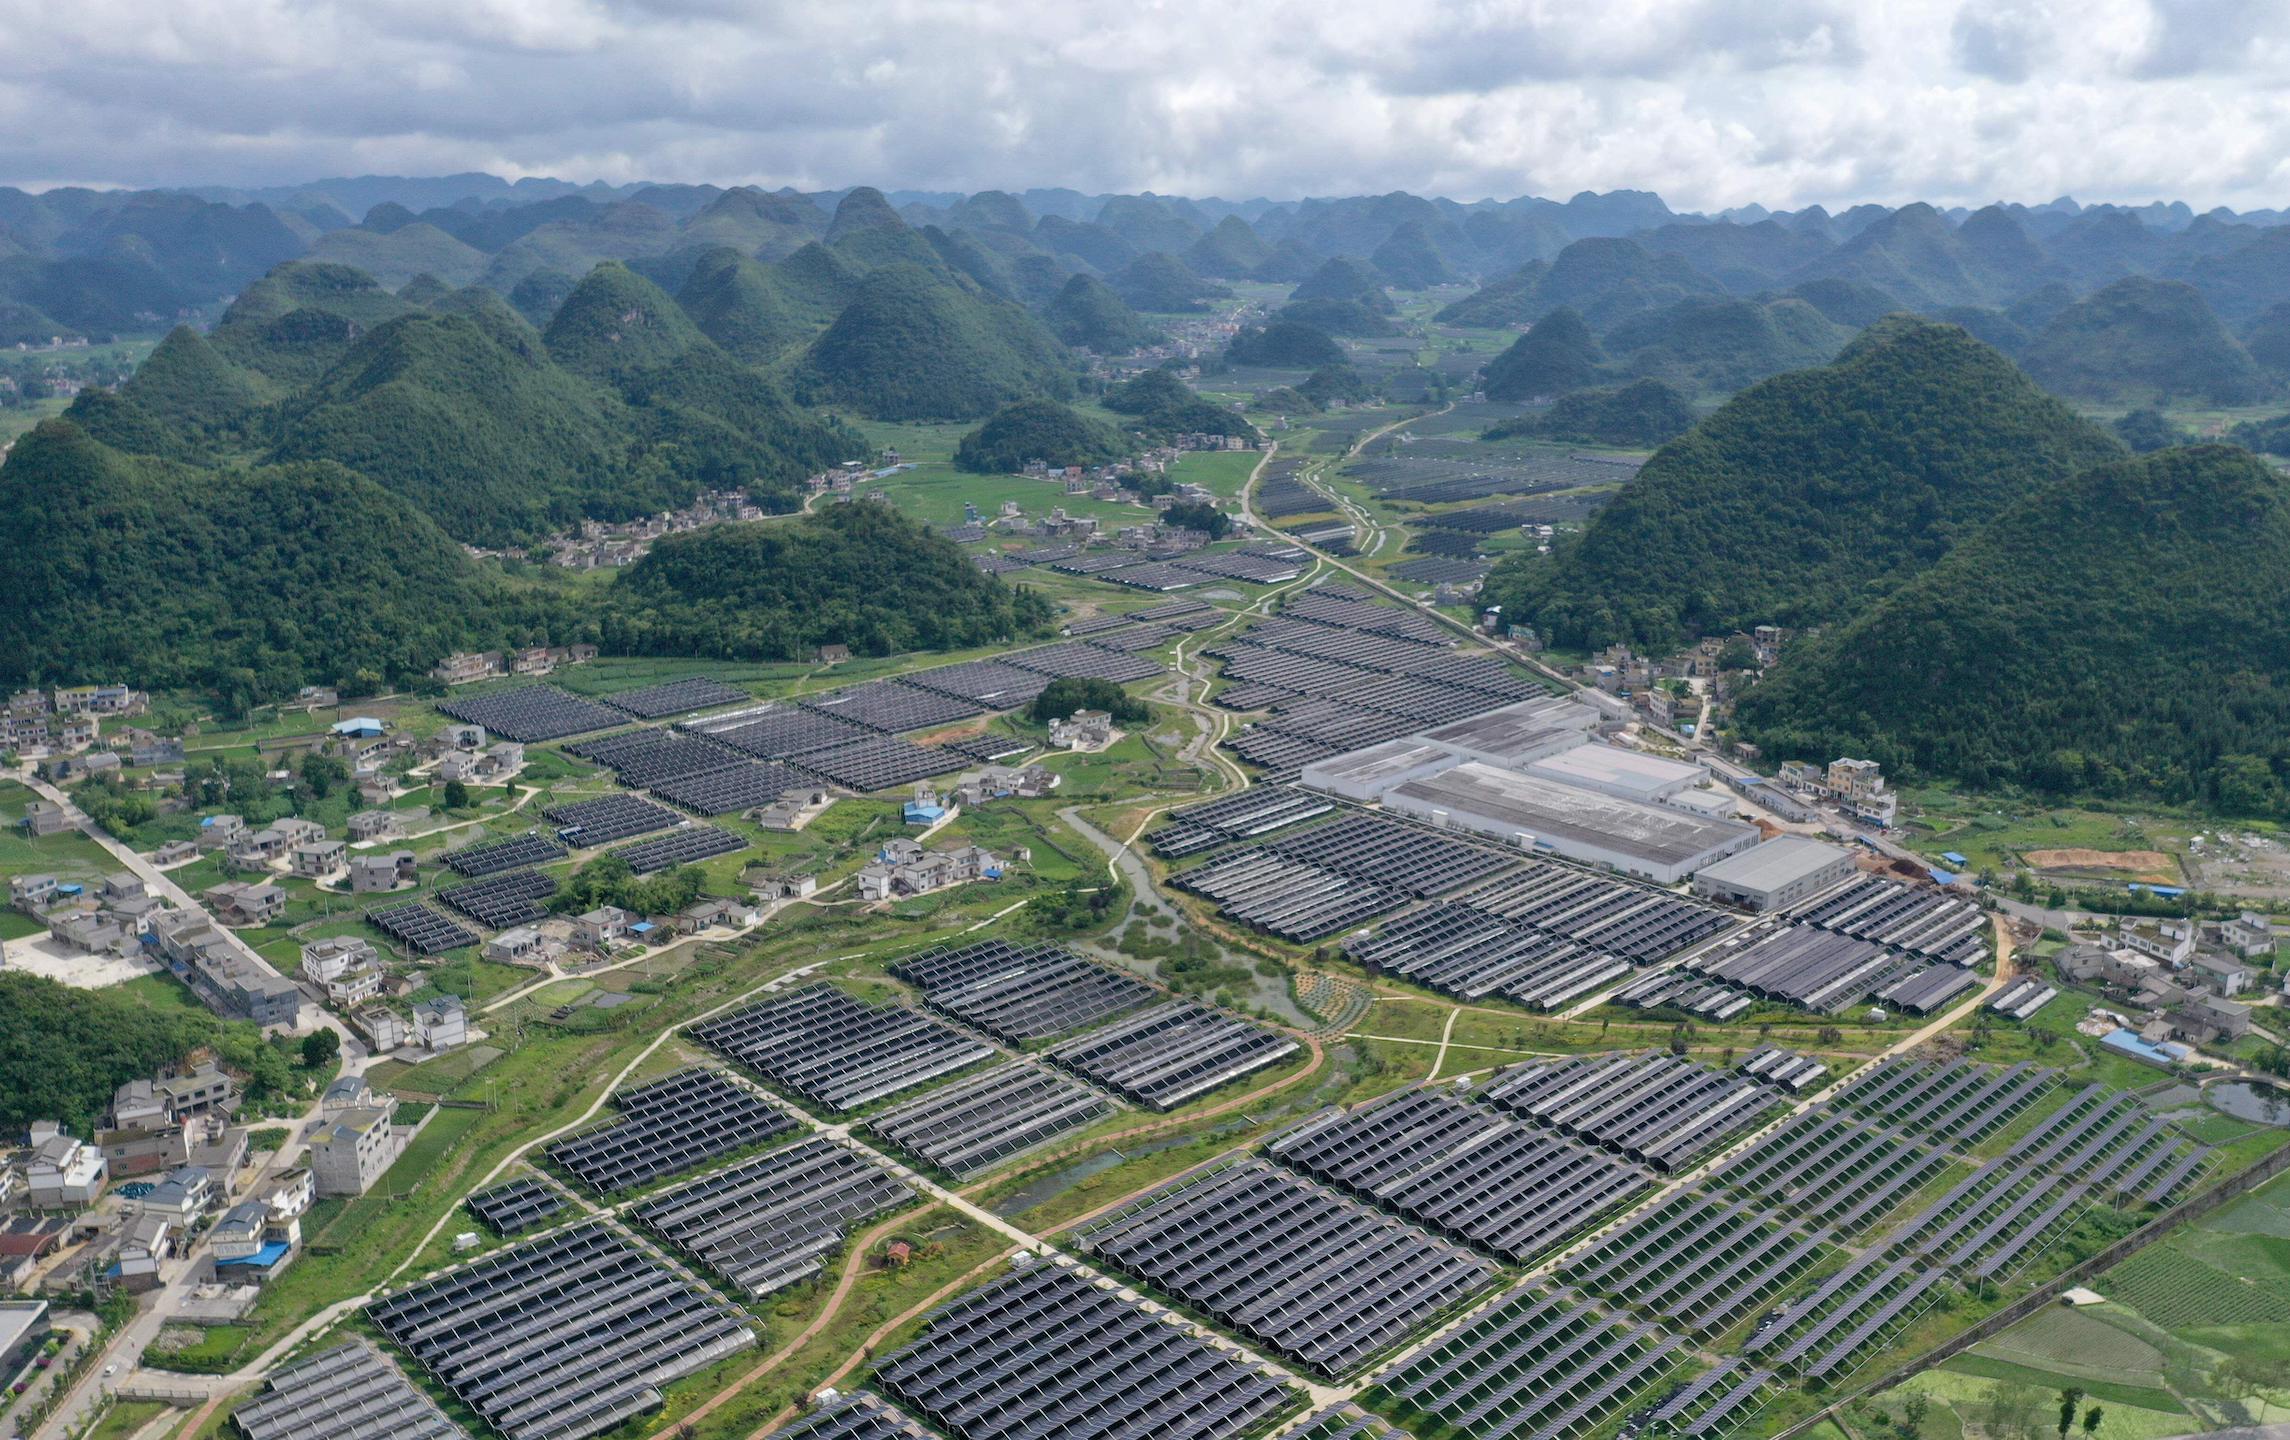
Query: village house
[
  {"x": 2208, "y": 1020},
  {"x": 372, "y": 874},
  {"x": 174, "y": 852},
  {"x": 62, "y": 1172},
  {"x": 1002, "y": 782},
  {"x": 439, "y": 1023},
  {"x": 348, "y": 968},
  {"x": 352, "y": 1150},
  {"x": 318, "y": 860},
  {"x": 226, "y": 979},
  {"x": 145, "y": 1242},
  {"x": 44, "y": 817},
  {"x": 1083, "y": 730},
  {"x": 373, "y": 825},
  {"x": 520, "y": 945},
  {"x": 384, "y": 1029},
  {"x": 241, "y": 904},
  {"x": 600, "y": 927}
]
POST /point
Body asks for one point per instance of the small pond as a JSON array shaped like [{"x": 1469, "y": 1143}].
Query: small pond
[{"x": 2256, "y": 1101}]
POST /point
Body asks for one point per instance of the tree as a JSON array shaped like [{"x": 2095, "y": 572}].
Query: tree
[
  {"x": 2069, "y": 1399},
  {"x": 1061, "y": 698},
  {"x": 456, "y": 795},
  {"x": 1198, "y": 515},
  {"x": 321, "y": 773},
  {"x": 2091, "y": 1420},
  {"x": 1737, "y": 654},
  {"x": 320, "y": 1047}
]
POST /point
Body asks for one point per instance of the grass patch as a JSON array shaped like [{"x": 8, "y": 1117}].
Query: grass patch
[{"x": 2107, "y": 1392}]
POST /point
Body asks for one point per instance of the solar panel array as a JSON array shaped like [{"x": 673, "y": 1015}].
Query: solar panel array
[
  {"x": 1802, "y": 965},
  {"x": 1464, "y": 951},
  {"x": 348, "y": 1392},
  {"x": 1442, "y": 570},
  {"x": 1172, "y": 1053},
  {"x": 1287, "y": 898},
  {"x": 675, "y": 697},
  {"x": 877, "y": 762},
  {"x": 419, "y": 928},
  {"x": 1834, "y": 1172},
  {"x": 517, "y": 1206},
  {"x": 500, "y": 901},
  {"x": 1819, "y": 1334},
  {"x": 974, "y": 1124},
  {"x": 646, "y": 757},
  {"x": 1346, "y": 1422},
  {"x": 530, "y": 714},
  {"x": 837, "y": 1052},
  {"x": 607, "y": 818},
  {"x": 1682, "y": 990},
  {"x": 778, "y": 732},
  {"x": 490, "y": 857},
  {"x": 892, "y": 706},
  {"x": 857, "y": 1416},
  {"x": 771, "y": 1222},
  {"x": 1635, "y": 922},
  {"x": 1259, "y": 810},
  {"x": 2111, "y": 1142},
  {"x": 1927, "y": 923},
  {"x": 1181, "y": 615},
  {"x": 1699, "y": 1263},
  {"x": 1463, "y": 1171},
  {"x": 1082, "y": 660},
  {"x": 1021, "y": 993},
  {"x": 1303, "y": 1271},
  {"x": 561, "y": 1337},
  {"x": 1539, "y": 1366},
  {"x": 1656, "y": 1109},
  {"x": 1956, "y": 1102},
  {"x": 685, "y": 846},
  {"x": 1239, "y": 565},
  {"x": 667, "y": 1125},
  {"x": 990, "y": 684},
  {"x": 1046, "y": 1354},
  {"x": 734, "y": 787}
]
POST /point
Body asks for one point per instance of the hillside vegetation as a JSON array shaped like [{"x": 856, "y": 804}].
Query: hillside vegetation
[
  {"x": 912, "y": 346},
  {"x": 2142, "y": 339},
  {"x": 1807, "y": 497},
  {"x": 1041, "y": 430},
  {"x": 2138, "y": 651},
  {"x": 1642, "y": 413},
  {"x": 858, "y": 575}
]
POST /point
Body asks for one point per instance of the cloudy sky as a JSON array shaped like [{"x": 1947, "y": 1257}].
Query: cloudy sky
[{"x": 1710, "y": 102}]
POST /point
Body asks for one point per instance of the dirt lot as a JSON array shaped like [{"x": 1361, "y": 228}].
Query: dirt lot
[{"x": 2152, "y": 866}]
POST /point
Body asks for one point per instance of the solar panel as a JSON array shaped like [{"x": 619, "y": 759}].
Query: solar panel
[
  {"x": 1021, "y": 993},
  {"x": 589, "y": 823},
  {"x": 419, "y": 928},
  {"x": 562, "y": 1337},
  {"x": 771, "y": 1222},
  {"x": 1171, "y": 1053},
  {"x": 1315, "y": 1277},
  {"x": 532, "y": 713},
  {"x": 972, "y": 1125},
  {"x": 644, "y": 758},
  {"x": 1046, "y": 1352},
  {"x": 735, "y": 787},
  {"x": 515, "y": 1207},
  {"x": 680, "y": 847},
  {"x": 879, "y": 762},
  {"x": 348, "y": 1392},
  {"x": 986, "y": 683},
  {"x": 668, "y": 1125},
  {"x": 491, "y": 857},
  {"x": 675, "y": 697},
  {"x": 500, "y": 901},
  {"x": 892, "y": 706},
  {"x": 830, "y": 1049}
]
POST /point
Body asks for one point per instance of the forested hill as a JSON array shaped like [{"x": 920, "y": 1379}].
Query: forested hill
[
  {"x": 1810, "y": 495},
  {"x": 2121, "y": 631},
  {"x": 247, "y": 582},
  {"x": 858, "y": 575}
]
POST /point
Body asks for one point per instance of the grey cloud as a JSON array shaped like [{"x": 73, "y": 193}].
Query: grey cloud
[{"x": 2002, "y": 41}]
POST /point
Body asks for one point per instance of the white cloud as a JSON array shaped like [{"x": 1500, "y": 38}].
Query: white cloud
[{"x": 1709, "y": 102}]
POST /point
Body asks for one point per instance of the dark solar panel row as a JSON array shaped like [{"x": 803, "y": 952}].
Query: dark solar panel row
[
  {"x": 734, "y": 787},
  {"x": 490, "y": 857},
  {"x": 532, "y": 713},
  {"x": 1253, "y": 812},
  {"x": 1636, "y": 922},
  {"x": 685, "y": 846},
  {"x": 1956, "y": 1102},
  {"x": 1820, "y": 1333},
  {"x": 1171, "y": 1053},
  {"x": 837, "y": 1052},
  {"x": 500, "y": 901},
  {"x": 858, "y": 1416},
  {"x": 1308, "y": 1274},
  {"x": 1020, "y": 993},
  {"x": 645, "y": 758},
  {"x": 668, "y": 1125},
  {"x": 1539, "y": 1365},
  {"x": 1658, "y": 1109},
  {"x": 1077, "y": 659},
  {"x": 771, "y": 1222},
  {"x": 1238, "y": 565},
  {"x": 1391, "y": 852},
  {"x": 517, "y": 1206},
  {"x": 877, "y": 762},
  {"x": 1817, "y": 969},
  {"x": 1464, "y": 1172},
  {"x": 419, "y": 928},
  {"x": 675, "y": 697},
  {"x": 2110, "y": 1140},
  {"x": 587, "y": 823},
  {"x": 1916, "y": 920},
  {"x": 989, "y": 684},
  {"x": 348, "y": 1392},
  {"x": 1472, "y": 954},
  {"x": 1047, "y": 1354},
  {"x": 892, "y": 706},
  {"x": 780, "y": 732},
  {"x": 1288, "y": 898},
  {"x": 974, "y": 1124},
  {"x": 1837, "y": 1174},
  {"x": 561, "y": 1337},
  {"x": 1700, "y": 1263}
]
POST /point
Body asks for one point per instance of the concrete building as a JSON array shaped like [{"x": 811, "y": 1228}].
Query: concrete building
[
  {"x": 1364, "y": 775},
  {"x": 379, "y": 872},
  {"x": 1518, "y": 735},
  {"x": 182, "y": 1197},
  {"x": 349, "y": 968},
  {"x": 1781, "y": 872},
  {"x": 63, "y": 1173},
  {"x": 1652, "y": 842},
  {"x": 1611, "y": 770},
  {"x": 354, "y": 1149},
  {"x": 440, "y": 1023}
]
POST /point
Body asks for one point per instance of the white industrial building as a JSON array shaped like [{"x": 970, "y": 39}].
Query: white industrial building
[
  {"x": 1781, "y": 872},
  {"x": 1653, "y": 842},
  {"x": 1520, "y": 734},
  {"x": 1611, "y": 770},
  {"x": 1364, "y": 775}
]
